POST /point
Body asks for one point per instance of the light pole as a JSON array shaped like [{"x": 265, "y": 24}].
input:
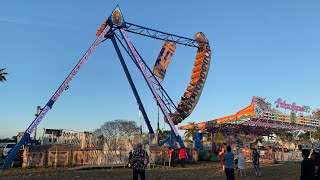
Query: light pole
[{"x": 37, "y": 114}]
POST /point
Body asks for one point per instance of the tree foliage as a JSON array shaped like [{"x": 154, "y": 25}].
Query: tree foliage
[
  {"x": 117, "y": 128},
  {"x": 190, "y": 132},
  {"x": 3, "y": 74},
  {"x": 219, "y": 137},
  {"x": 285, "y": 136},
  {"x": 316, "y": 135},
  {"x": 305, "y": 137},
  {"x": 14, "y": 138},
  {"x": 163, "y": 134},
  {"x": 6, "y": 140}
]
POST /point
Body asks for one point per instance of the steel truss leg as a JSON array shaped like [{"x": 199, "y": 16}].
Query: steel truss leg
[
  {"x": 133, "y": 87},
  {"x": 53, "y": 99},
  {"x": 172, "y": 144}
]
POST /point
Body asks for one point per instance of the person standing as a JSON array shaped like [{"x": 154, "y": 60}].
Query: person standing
[
  {"x": 182, "y": 156},
  {"x": 256, "y": 162},
  {"x": 221, "y": 154},
  {"x": 242, "y": 164},
  {"x": 229, "y": 164},
  {"x": 316, "y": 163},
  {"x": 130, "y": 157},
  {"x": 171, "y": 157},
  {"x": 139, "y": 161}
]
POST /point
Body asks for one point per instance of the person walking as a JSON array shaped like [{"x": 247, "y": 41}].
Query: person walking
[
  {"x": 229, "y": 164},
  {"x": 256, "y": 162},
  {"x": 182, "y": 156},
  {"x": 139, "y": 161},
  {"x": 242, "y": 164}
]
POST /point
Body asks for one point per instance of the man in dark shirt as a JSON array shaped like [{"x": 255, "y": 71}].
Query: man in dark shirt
[
  {"x": 139, "y": 161},
  {"x": 307, "y": 169}
]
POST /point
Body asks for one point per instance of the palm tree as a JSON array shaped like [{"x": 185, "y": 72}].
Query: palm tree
[
  {"x": 3, "y": 75},
  {"x": 163, "y": 134},
  {"x": 285, "y": 137},
  {"x": 190, "y": 132}
]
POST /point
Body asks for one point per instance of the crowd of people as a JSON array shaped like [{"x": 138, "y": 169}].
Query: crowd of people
[
  {"x": 231, "y": 162},
  {"x": 310, "y": 167}
]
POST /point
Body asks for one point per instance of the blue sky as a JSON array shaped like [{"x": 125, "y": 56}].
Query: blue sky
[{"x": 265, "y": 48}]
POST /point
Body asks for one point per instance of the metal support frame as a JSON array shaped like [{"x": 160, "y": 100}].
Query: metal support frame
[
  {"x": 197, "y": 139},
  {"x": 164, "y": 141},
  {"x": 148, "y": 32},
  {"x": 133, "y": 87},
  {"x": 169, "y": 139},
  {"x": 171, "y": 145},
  {"x": 165, "y": 102},
  {"x": 64, "y": 86}
]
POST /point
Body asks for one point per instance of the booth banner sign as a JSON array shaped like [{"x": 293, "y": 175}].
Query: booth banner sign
[{"x": 293, "y": 106}]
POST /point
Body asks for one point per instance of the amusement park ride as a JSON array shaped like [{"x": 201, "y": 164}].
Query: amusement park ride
[
  {"x": 115, "y": 29},
  {"x": 261, "y": 120}
]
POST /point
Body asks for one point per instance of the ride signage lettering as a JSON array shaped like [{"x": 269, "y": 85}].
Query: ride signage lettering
[{"x": 293, "y": 106}]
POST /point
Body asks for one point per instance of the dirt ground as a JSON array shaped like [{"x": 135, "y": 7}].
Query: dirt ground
[{"x": 202, "y": 170}]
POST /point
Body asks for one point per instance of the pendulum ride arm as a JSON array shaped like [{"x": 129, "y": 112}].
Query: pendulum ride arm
[
  {"x": 53, "y": 99},
  {"x": 171, "y": 107},
  {"x": 153, "y": 90},
  {"x": 199, "y": 73}
]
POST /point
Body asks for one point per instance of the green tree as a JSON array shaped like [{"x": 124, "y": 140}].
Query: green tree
[
  {"x": 316, "y": 135},
  {"x": 6, "y": 140},
  {"x": 285, "y": 136},
  {"x": 163, "y": 134},
  {"x": 305, "y": 137},
  {"x": 219, "y": 138},
  {"x": 3, "y": 75},
  {"x": 14, "y": 138}
]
